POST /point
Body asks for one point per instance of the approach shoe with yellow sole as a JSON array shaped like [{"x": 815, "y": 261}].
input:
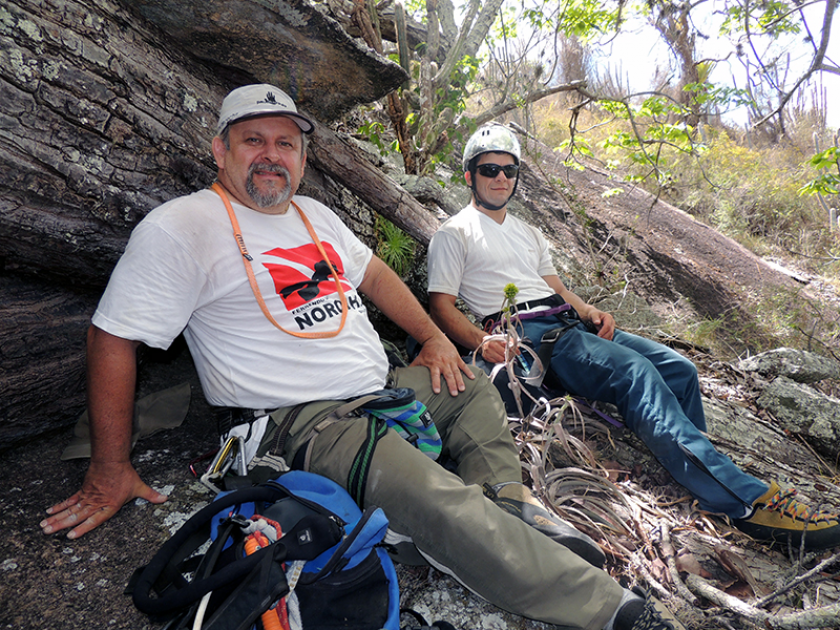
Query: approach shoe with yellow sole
[
  {"x": 778, "y": 517},
  {"x": 518, "y": 500}
]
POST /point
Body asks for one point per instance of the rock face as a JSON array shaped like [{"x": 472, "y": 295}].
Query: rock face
[
  {"x": 797, "y": 365},
  {"x": 803, "y": 411},
  {"x": 290, "y": 43},
  {"x": 799, "y": 408}
]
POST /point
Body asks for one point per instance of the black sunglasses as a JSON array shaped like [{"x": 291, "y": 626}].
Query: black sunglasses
[{"x": 492, "y": 170}]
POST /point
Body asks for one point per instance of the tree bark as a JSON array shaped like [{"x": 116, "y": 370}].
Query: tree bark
[
  {"x": 103, "y": 117},
  {"x": 42, "y": 369},
  {"x": 329, "y": 153},
  {"x": 101, "y": 122},
  {"x": 290, "y": 43}
]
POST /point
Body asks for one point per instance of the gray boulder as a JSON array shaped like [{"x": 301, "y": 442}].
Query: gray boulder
[
  {"x": 798, "y": 365},
  {"x": 806, "y": 412}
]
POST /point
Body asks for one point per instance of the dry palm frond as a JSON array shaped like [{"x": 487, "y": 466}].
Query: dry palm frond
[
  {"x": 582, "y": 492},
  {"x": 558, "y": 450},
  {"x": 634, "y": 525}
]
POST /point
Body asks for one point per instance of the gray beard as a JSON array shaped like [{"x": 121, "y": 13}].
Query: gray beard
[{"x": 274, "y": 197}]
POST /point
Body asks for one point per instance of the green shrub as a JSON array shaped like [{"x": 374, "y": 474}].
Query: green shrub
[{"x": 394, "y": 247}]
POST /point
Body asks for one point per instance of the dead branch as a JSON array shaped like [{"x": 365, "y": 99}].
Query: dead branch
[{"x": 822, "y": 617}]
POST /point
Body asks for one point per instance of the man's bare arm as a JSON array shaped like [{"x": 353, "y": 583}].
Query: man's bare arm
[
  {"x": 398, "y": 303},
  {"x": 456, "y": 325},
  {"x": 111, "y": 480}
]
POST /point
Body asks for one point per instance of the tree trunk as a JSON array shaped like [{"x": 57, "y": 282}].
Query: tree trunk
[
  {"x": 329, "y": 153},
  {"x": 105, "y": 116}
]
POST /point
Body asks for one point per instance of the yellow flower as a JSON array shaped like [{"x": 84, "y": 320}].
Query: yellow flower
[{"x": 511, "y": 292}]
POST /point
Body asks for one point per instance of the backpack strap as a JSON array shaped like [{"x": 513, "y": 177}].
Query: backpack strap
[
  {"x": 359, "y": 470},
  {"x": 547, "y": 342}
]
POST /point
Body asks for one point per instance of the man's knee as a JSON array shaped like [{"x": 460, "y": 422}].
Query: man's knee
[
  {"x": 481, "y": 384},
  {"x": 689, "y": 369},
  {"x": 419, "y": 379}
]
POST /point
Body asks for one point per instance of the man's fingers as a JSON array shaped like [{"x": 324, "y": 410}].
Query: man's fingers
[
  {"x": 464, "y": 368},
  {"x": 63, "y": 515},
  {"x": 60, "y": 507},
  {"x": 435, "y": 374},
  {"x": 498, "y": 356},
  {"x": 92, "y": 522},
  {"x": 494, "y": 351},
  {"x": 454, "y": 381},
  {"x": 607, "y": 329},
  {"x": 69, "y": 517}
]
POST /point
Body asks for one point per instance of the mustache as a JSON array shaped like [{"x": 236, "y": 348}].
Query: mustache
[
  {"x": 269, "y": 168},
  {"x": 272, "y": 196}
]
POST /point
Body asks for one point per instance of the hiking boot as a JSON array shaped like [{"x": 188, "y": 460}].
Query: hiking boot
[
  {"x": 518, "y": 500},
  {"x": 644, "y": 612},
  {"x": 777, "y": 517}
]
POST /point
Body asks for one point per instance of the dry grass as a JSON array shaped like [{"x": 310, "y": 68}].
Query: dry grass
[{"x": 739, "y": 183}]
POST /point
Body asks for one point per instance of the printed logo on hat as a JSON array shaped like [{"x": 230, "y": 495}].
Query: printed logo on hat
[{"x": 271, "y": 100}]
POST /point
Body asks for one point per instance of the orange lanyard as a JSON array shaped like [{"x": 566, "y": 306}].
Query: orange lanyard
[{"x": 246, "y": 258}]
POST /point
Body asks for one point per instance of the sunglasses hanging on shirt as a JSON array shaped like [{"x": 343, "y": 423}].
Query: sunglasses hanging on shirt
[{"x": 492, "y": 170}]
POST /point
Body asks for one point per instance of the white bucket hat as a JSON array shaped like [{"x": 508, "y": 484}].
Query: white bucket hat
[{"x": 258, "y": 100}]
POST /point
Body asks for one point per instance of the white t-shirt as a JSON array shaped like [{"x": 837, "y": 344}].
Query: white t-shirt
[
  {"x": 182, "y": 271},
  {"x": 473, "y": 256}
]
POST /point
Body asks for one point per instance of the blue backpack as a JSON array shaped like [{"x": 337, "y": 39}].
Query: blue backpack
[{"x": 327, "y": 570}]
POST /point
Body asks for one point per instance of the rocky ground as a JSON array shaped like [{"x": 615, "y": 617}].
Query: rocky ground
[{"x": 52, "y": 582}]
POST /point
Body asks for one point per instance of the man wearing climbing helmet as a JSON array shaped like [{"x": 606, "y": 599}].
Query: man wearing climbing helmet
[
  {"x": 495, "y": 191},
  {"x": 482, "y": 249}
]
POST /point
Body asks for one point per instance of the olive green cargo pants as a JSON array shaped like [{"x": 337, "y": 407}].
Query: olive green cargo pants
[{"x": 451, "y": 522}]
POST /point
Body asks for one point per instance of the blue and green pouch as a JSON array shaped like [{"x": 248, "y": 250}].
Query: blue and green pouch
[
  {"x": 408, "y": 417},
  {"x": 398, "y": 409}
]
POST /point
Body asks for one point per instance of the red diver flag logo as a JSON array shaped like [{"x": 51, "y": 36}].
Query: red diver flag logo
[{"x": 305, "y": 275}]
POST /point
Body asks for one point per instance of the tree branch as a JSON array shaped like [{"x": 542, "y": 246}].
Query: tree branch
[
  {"x": 822, "y": 617},
  {"x": 536, "y": 95},
  {"x": 816, "y": 64}
]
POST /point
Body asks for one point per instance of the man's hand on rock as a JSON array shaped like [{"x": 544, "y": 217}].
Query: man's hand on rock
[{"x": 107, "y": 487}]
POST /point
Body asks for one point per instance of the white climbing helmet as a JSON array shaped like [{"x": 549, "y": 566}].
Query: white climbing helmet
[{"x": 492, "y": 137}]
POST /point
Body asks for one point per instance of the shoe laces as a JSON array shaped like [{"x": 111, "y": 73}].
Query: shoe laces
[
  {"x": 651, "y": 618},
  {"x": 785, "y": 501}
]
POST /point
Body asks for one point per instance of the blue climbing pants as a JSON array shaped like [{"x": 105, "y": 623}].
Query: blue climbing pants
[{"x": 657, "y": 392}]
